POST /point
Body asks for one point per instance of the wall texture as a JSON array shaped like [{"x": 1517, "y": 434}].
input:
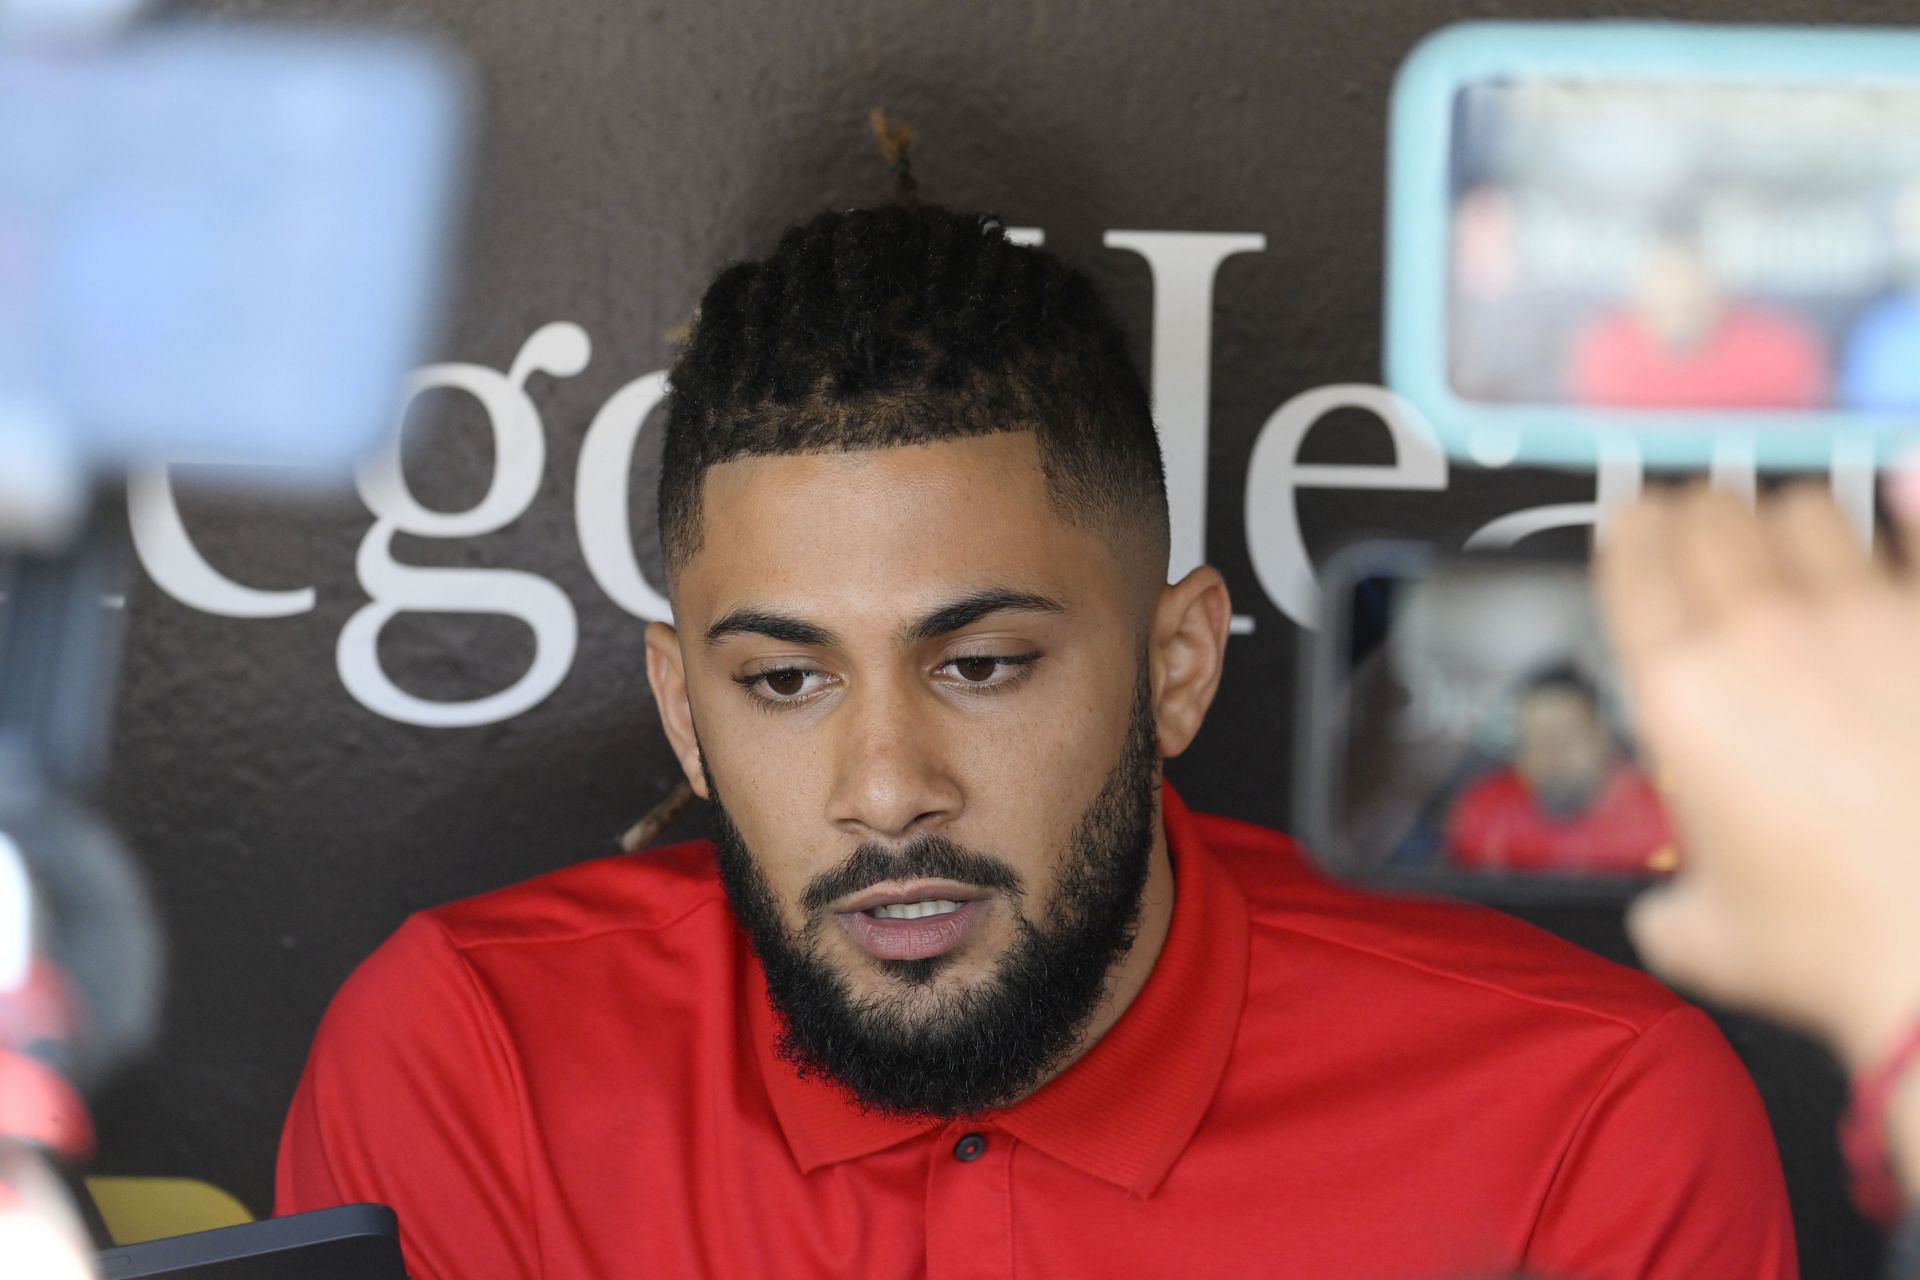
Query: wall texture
[{"x": 629, "y": 149}]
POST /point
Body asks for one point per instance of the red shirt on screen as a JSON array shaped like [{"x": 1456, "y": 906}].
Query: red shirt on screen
[
  {"x": 575, "y": 1077},
  {"x": 1496, "y": 824},
  {"x": 1752, "y": 358}
]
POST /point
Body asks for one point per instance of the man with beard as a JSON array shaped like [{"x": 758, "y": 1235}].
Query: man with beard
[
  {"x": 961, "y": 988},
  {"x": 1570, "y": 802}
]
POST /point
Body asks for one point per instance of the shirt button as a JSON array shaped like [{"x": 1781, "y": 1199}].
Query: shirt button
[{"x": 970, "y": 1148}]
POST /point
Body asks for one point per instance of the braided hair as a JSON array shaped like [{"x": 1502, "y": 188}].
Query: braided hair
[{"x": 909, "y": 324}]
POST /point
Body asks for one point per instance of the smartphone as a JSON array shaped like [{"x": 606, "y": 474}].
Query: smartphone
[
  {"x": 361, "y": 1241},
  {"x": 1464, "y": 729},
  {"x": 1668, "y": 239}
]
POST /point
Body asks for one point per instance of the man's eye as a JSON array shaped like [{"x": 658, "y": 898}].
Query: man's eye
[
  {"x": 990, "y": 671},
  {"x": 786, "y": 684}
]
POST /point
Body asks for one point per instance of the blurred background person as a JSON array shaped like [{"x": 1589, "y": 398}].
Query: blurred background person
[
  {"x": 1681, "y": 343},
  {"x": 1570, "y": 801}
]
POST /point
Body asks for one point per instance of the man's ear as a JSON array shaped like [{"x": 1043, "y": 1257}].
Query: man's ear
[
  {"x": 1187, "y": 651},
  {"x": 668, "y": 676}
]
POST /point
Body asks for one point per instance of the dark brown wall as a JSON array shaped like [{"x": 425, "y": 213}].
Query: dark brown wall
[{"x": 630, "y": 149}]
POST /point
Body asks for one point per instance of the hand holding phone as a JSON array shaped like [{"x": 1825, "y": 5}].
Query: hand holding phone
[{"x": 1772, "y": 661}]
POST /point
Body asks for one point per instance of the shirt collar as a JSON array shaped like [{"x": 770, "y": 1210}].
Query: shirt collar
[{"x": 1125, "y": 1111}]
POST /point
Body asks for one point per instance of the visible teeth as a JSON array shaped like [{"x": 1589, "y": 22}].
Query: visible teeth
[{"x": 914, "y": 910}]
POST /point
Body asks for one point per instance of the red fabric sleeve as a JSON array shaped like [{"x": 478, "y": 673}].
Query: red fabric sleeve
[
  {"x": 1672, "y": 1173},
  {"x": 410, "y": 1100}
]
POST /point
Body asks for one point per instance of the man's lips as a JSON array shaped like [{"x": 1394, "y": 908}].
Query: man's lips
[
  {"x": 892, "y": 892},
  {"x": 951, "y": 915}
]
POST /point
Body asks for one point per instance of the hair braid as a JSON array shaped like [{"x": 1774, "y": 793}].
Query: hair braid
[{"x": 896, "y": 147}]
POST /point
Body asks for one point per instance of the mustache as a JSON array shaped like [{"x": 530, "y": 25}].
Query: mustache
[{"x": 929, "y": 857}]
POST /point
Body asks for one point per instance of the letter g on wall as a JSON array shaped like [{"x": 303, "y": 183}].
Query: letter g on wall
[{"x": 560, "y": 350}]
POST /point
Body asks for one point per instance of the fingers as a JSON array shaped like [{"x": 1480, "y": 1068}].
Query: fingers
[
  {"x": 1814, "y": 545},
  {"x": 1723, "y": 557},
  {"x": 1902, "y": 490},
  {"x": 1644, "y": 601},
  {"x": 1675, "y": 564}
]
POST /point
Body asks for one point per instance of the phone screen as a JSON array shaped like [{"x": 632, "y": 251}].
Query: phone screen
[
  {"x": 1660, "y": 245},
  {"x": 1473, "y": 728}
]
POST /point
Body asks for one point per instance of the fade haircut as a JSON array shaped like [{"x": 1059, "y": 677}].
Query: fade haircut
[{"x": 910, "y": 324}]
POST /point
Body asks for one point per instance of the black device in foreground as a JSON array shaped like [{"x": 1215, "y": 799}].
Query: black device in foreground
[{"x": 353, "y": 1242}]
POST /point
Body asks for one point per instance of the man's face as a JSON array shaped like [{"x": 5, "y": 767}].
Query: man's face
[
  {"x": 1563, "y": 750},
  {"x": 1675, "y": 296},
  {"x": 919, "y": 693}
]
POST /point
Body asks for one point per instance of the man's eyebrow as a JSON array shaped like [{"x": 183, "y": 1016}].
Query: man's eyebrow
[
  {"x": 969, "y": 609},
  {"x": 775, "y": 626}
]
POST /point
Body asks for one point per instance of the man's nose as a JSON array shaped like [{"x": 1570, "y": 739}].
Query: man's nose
[{"x": 892, "y": 779}]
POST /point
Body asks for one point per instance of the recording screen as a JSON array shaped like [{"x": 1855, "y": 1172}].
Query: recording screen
[
  {"x": 1486, "y": 733},
  {"x": 1691, "y": 246}
]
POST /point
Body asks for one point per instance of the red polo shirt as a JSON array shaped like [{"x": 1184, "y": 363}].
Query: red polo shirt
[
  {"x": 574, "y": 1078},
  {"x": 1753, "y": 358},
  {"x": 1496, "y": 825}
]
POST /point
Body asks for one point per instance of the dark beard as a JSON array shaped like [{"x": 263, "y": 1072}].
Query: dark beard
[{"x": 991, "y": 1044}]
